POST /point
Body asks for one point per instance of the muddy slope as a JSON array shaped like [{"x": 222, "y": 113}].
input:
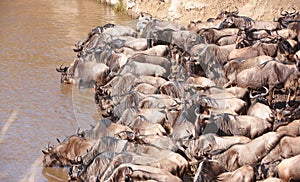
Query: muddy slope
[{"x": 184, "y": 11}]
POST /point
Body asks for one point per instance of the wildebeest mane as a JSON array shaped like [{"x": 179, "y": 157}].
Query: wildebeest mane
[
  {"x": 285, "y": 46},
  {"x": 212, "y": 60},
  {"x": 262, "y": 65},
  {"x": 223, "y": 125}
]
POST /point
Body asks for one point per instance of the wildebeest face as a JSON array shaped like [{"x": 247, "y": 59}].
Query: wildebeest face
[
  {"x": 64, "y": 74},
  {"x": 67, "y": 73},
  {"x": 51, "y": 158},
  {"x": 142, "y": 22}
]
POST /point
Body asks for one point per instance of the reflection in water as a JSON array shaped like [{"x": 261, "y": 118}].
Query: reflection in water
[
  {"x": 52, "y": 173},
  {"x": 37, "y": 36}
]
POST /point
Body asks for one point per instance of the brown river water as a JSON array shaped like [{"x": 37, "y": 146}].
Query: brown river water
[{"x": 36, "y": 36}]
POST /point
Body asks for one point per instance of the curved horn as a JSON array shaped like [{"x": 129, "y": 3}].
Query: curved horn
[
  {"x": 294, "y": 12},
  {"x": 283, "y": 13},
  {"x": 177, "y": 102},
  {"x": 236, "y": 11},
  {"x": 197, "y": 114},
  {"x": 204, "y": 116},
  {"x": 267, "y": 91},
  {"x": 253, "y": 97},
  {"x": 58, "y": 140},
  {"x": 60, "y": 69},
  {"x": 286, "y": 113},
  {"x": 259, "y": 95},
  {"x": 48, "y": 146},
  {"x": 79, "y": 133},
  {"x": 163, "y": 107}
]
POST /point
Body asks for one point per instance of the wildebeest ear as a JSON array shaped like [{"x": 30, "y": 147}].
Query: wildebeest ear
[{"x": 45, "y": 152}]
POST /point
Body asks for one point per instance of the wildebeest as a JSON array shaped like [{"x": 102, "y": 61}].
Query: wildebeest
[
  {"x": 272, "y": 74},
  {"x": 158, "y": 50},
  {"x": 65, "y": 153},
  {"x": 261, "y": 110},
  {"x": 121, "y": 31},
  {"x": 258, "y": 49},
  {"x": 106, "y": 162},
  {"x": 235, "y": 21},
  {"x": 156, "y": 100},
  {"x": 146, "y": 24},
  {"x": 214, "y": 35},
  {"x": 208, "y": 170},
  {"x": 286, "y": 50},
  {"x": 104, "y": 127},
  {"x": 286, "y": 148},
  {"x": 204, "y": 144},
  {"x": 288, "y": 169},
  {"x": 244, "y": 173},
  {"x": 85, "y": 72},
  {"x": 211, "y": 59},
  {"x": 156, "y": 60},
  {"x": 222, "y": 101},
  {"x": 200, "y": 82},
  {"x": 226, "y": 124},
  {"x": 133, "y": 172},
  {"x": 292, "y": 128},
  {"x": 142, "y": 69},
  {"x": 235, "y": 157},
  {"x": 233, "y": 67}
]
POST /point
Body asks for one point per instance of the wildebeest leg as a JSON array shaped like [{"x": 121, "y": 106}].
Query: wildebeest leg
[
  {"x": 149, "y": 43},
  {"x": 97, "y": 100},
  {"x": 79, "y": 83},
  {"x": 271, "y": 93},
  {"x": 288, "y": 97},
  {"x": 295, "y": 90}
]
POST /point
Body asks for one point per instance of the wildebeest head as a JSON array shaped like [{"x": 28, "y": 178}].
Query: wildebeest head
[
  {"x": 286, "y": 18},
  {"x": 67, "y": 73},
  {"x": 142, "y": 21},
  {"x": 227, "y": 23},
  {"x": 63, "y": 72},
  {"x": 225, "y": 14},
  {"x": 60, "y": 69},
  {"x": 50, "y": 157},
  {"x": 208, "y": 170},
  {"x": 66, "y": 152}
]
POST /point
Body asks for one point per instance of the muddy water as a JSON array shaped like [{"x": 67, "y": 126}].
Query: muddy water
[{"x": 35, "y": 37}]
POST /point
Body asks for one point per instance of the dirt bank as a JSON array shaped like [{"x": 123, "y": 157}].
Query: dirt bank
[{"x": 184, "y": 11}]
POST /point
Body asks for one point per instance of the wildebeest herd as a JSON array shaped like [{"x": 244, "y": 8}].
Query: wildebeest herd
[{"x": 213, "y": 101}]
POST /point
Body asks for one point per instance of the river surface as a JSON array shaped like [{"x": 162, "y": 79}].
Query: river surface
[{"x": 36, "y": 36}]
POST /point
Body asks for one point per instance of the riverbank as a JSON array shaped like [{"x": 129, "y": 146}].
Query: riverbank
[{"x": 184, "y": 11}]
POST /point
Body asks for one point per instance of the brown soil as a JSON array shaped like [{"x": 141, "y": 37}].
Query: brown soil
[{"x": 184, "y": 11}]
